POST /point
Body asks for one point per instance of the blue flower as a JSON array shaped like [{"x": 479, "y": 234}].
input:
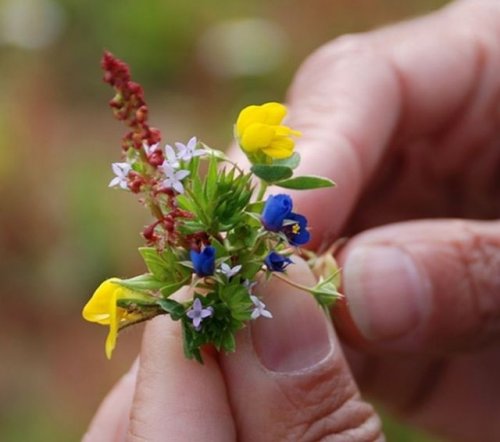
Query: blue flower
[
  {"x": 204, "y": 261},
  {"x": 276, "y": 210},
  {"x": 276, "y": 262},
  {"x": 296, "y": 231},
  {"x": 277, "y": 216}
]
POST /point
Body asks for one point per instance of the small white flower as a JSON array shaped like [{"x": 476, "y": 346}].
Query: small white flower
[
  {"x": 229, "y": 271},
  {"x": 121, "y": 170},
  {"x": 171, "y": 157},
  {"x": 260, "y": 308},
  {"x": 188, "y": 151},
  {"x": 173, "y": 178},
  {"x": 197, "y": 313}
]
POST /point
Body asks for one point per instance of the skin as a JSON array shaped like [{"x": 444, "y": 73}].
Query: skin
[{"x": 409, "y": 119}]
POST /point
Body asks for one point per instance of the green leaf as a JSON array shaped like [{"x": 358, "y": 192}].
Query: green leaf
[
  {"x": 173, "y": 308},
  {"x": 168, "y": 289},
  {"x": 211, "y": 179},
  {"x": 146, "y": 282},
  {"x": 305, "y": 182},
  {"x": 271, "y": 173},
  {"x": 292, "y": 162},
  {"x": 256, "y": 207},
  {"x": 165, "y": 266},
  {"x": 155, "y": 263},
  {"x": 325, "y": 292}
]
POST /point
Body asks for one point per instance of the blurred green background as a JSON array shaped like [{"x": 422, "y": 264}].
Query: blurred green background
[{"x": 61, "y": 230}]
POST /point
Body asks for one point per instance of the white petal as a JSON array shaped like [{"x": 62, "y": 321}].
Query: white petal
[
  {"x": 114, "y": 182},
  {"x": 170, "y": 154},
  {"x": 255, "y": 314},
  {"x": 236, "y": 269},
  {"x": 178, "y": 187},
  {"x": 123, "y": 185},
  {"x": 181, "y": 174},
  {"x": 205, "y": 313},
  {"x": 266, "y": 314},
  {"x": 199, "y": 153},
  {"x": 168, "y": 170},
  {"x": 191, "y": 144},
  {"x": 225, "y": 268}
]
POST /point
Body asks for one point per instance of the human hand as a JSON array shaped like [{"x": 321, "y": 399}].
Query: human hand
[
  {"x": 288, "y": 380},
  {"x": 408, "y": 118}
]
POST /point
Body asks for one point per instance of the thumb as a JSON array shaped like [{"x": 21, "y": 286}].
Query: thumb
[
  {"x": 427, "y": 286},
  {"x": 289, "y": 380}
]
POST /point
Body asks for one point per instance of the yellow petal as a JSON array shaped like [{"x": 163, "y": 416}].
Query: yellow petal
[
  {"x": 257, "y": 136},
  {"x": 275, "y": 112},
  {"x": 98, "y": 308},
  {"x": 248, "y": 116},
  {"x": 113, "y": 330},
  {"x": 280, "y": 148}
]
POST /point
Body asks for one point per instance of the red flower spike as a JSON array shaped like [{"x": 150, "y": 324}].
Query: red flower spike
[{"x": 128, "y": 105}]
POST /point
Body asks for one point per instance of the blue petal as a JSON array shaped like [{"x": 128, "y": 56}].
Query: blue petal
[
  {"x": 276, "y": 262},
  {"x": 204, "y": 261},
  {"x": 303, "y": 236},
  {"x": 276, "y": 209}
]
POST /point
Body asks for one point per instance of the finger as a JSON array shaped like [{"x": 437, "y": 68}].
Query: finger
[
  {"x": 427, "y": 286},
  {"x": 363, "y": 95},
  {"x": 288, "y": 380},
  {"x": 110, "y": 423},
  {"x": 175, "y": 398}
]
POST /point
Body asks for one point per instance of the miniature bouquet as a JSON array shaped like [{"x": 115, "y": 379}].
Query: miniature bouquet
[{"x": 214, "y": 232}]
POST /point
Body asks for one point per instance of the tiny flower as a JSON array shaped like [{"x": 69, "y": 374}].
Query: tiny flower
[
  {"x": 188, "y": 151},
  {"x": 277, "y": 216},
  {"x": 102, "y": 309},
  {"x": 295, "y": 229},
  {"x": 229, "y": 271},
  {"x": 259, "y": 309},
  {"x": 121, "y": 170},
  {"x": 276, "y": 209},
  {"x": 197, "y": 313},
  {"x": 204, "y": 261},
  {"x": 174, "y": 177},
  {"x": 276, "y": 262},
  {"x": 259, "y": 129},
  {"x": 171, "y": 156}
]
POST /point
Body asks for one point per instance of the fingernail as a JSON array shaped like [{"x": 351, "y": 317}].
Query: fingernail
[
  {"x": 297, "y": 337},
  {"x": 387, "y": 294}
]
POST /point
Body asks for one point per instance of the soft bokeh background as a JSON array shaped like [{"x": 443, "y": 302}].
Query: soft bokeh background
[{"x": 61, "y": 230}]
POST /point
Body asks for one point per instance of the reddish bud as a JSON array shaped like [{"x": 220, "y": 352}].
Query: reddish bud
[
  {"x": 141, "y": 114},
  {"x": 135, "y": 182}
]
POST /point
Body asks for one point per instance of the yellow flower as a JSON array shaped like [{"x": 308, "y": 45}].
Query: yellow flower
[
  {"x": 102, "y": 309},
  {"x": 259, "y": 129}
]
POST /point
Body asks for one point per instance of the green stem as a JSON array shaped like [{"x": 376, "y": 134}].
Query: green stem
[
  {"x": 262, "y": 190},
  {"x": 292, "y": 283}
]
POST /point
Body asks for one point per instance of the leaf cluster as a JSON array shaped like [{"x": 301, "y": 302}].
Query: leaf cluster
[{"x": 218, "y": 201}]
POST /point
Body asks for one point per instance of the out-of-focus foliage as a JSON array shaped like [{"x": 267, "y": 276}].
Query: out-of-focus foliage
[{"x": 61, "y": 229}]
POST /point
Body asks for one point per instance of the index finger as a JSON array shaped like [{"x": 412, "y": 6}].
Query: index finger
[{"x": 359, "y": 97}]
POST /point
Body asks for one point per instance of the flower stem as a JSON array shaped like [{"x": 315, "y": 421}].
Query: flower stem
[
  {"x": 262, "y": 190},
  {"x": 292, "y": 283}
]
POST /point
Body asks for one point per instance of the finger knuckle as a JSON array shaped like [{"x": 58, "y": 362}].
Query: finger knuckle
[{"x": 328, "y": 407}]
